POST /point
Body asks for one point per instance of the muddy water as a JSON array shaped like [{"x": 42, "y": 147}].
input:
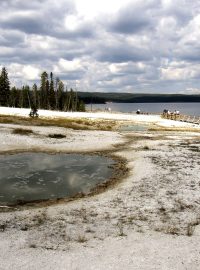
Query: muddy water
[{"x": 40, "y": 176}]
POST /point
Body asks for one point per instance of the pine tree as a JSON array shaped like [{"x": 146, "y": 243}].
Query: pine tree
[
  {"x": 52, "y": 100},
  {"x": 73, "y": 100},
  {"x": 25, "y": 101},
  {"x": 14, "y": 97},
  {"x": 66, "y": 97},
  {"x": 35, "y": 97},
  {"x": 60, "y": 95},
  {"x": 4, "y": 88},
  {"x": 47, "y": 105},
  {"x": 43, "y": 91},
  {"x": 81, "y": 106}
]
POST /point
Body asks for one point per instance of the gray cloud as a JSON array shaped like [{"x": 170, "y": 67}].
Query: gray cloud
[
  {"x": 37, "y": 25},
  {"x": 122, "y": 53},
  {"x": 11, "y": 38},
  {"x": 132, "y": 19},
  {"x": 129, "y": 23},
  {"x": 150, "y": 45},
  {"x": 19, "y": 4},
  {"x": 71, "y": 76},
  {"x": 182, "y": 10},
  {"x": 40, "y": 17},
  {"x": 25, "y": 24}
]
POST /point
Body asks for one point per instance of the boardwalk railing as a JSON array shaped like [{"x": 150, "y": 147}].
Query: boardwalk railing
[{"x": 183, "y": 118}]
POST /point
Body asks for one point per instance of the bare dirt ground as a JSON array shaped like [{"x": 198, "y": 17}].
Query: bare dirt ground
[{"x": 150, "y": 220}]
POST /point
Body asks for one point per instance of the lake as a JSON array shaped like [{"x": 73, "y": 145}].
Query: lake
[
  {"x": 39, "y": 176},
  {"x": 184, "y": 108}
]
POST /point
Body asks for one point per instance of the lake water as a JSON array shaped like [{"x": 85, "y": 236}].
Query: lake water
[
  {"x": 39, "y": 176},
  {"x": 184, "y": 108}
]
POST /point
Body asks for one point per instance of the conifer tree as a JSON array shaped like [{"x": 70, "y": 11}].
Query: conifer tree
[
  {"x": 52, "y": 100},
  {"x": 73, "y": 100},
  {"x": 14, "y": 97},
  {"x": 43, "y": 90},
  {"x": 56, "y": 93},
  {"x": 4, "y": 88},
  {"x": 47, "y": 106},
  {"x": 60, "y": 95},
  {"x": 35, "y": 97},
  {"x": 25, "y": 101},
  {"x": 81, "y": 106}
]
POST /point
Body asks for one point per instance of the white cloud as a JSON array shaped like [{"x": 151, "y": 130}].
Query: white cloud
[
  {"x": 15, "y": 70},
  {"x": 72, "y": 22},
  {"x": 191, "y": 32},
  {"x": 22, "y": 74},
  {"x": 89, "y": 9},
  {"x": 30, "y": 72},
  {"x": 65, "y": 65},
  {"x": 173, "y": 73},
  {"x": 190, "y": 91},
  {"x": 36, "y": 42}
]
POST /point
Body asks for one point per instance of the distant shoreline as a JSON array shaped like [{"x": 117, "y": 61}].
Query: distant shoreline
[{"x": 102, "y": 98}]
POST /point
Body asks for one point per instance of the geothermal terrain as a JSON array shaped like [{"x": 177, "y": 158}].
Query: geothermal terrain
[{"x": 149, "y": 218}]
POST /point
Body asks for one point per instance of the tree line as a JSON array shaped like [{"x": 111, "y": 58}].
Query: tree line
[{"x": 50, "y": 95}]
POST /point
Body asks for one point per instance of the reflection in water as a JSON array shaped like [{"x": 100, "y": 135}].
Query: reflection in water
[
  {"x": 39, "y": 176},
  {"x": 133, "y": 128}
]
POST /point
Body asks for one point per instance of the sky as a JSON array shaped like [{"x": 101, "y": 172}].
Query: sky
[{"x": 135, "y": 46}]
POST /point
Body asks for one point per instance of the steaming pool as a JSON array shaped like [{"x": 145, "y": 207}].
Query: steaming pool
[{"x": 26, "y": 177}]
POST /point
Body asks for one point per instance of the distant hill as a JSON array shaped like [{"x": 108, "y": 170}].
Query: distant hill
[{"x": 99, "y": 97}]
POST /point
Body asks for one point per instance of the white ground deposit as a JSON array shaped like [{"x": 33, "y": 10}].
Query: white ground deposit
[{"x": 150, "y": 220}]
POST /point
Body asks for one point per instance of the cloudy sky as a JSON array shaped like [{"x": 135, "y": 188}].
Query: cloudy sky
[{"x": 149, "y": 46}]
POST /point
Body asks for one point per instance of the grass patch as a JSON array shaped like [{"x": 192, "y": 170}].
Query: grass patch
[
  {"x": 121, "y": 229},
  {"x": 56, "y": 136},
  {"x": 32, "y": 245},
  {"x": 22, "y": 131},
  {"x": 3, "y": 226},
  {"x": 181, "y": 129},
  {"x": 81, "y": 239},
  {"x": 73, "y": 123}
]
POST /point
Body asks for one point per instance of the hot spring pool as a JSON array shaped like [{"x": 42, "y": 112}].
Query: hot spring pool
[{"x": 39, "y": 176}]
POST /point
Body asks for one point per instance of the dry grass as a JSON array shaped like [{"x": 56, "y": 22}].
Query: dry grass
[
  {"x": 121, "y": 229},
  {"x": 56, "y": 136},
  {"x": 179, "y": 129},
  {"x": 76, "y": 124},
  {"x": 146, "y": 147},
  {"x": 81, "y": 239},
  {"x": 3, "y": 226},
  {"x": 191, "y": 227},
  {"x": 22, "y": 131}
]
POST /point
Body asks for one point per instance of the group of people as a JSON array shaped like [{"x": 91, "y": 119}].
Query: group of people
[
  {"x": 168, "y": 113},
  {"x": 34, "y": 112},
  {"x": 107, "y": 109}
]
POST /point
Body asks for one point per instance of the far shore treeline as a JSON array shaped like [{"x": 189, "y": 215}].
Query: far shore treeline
[
  {"x": 51, "y": 94},
  {"x": 101, "y": 98}
]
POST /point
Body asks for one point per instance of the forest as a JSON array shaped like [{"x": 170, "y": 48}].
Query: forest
[{"x": 51, "y": 94}]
